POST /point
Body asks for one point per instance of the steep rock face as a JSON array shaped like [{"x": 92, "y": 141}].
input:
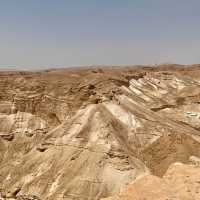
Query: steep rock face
[{"x": 83, "y": 134}]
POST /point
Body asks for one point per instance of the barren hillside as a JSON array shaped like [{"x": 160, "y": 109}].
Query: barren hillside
[{"x": 85, "y": 133}]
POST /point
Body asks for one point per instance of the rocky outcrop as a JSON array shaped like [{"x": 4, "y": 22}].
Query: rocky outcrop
[{"x": 179, "y": 182}]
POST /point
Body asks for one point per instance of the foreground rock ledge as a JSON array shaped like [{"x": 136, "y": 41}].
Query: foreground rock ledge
[{"x": 180, "y": 182}]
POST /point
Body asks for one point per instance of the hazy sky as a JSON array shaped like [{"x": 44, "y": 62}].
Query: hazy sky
[{"x": 49, "y": 33}]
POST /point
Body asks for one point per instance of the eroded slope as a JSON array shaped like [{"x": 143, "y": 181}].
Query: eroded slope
[{"x": 84, "y": 133}]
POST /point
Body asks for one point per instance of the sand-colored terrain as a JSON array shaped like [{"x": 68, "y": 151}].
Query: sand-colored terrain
[{"x": 98, "y": 132}]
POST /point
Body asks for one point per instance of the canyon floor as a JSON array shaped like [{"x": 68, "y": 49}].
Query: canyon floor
[{"x": 91, "y": 133}]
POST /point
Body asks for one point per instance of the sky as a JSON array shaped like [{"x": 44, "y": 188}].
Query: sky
[{"x": 61, "y": 33}]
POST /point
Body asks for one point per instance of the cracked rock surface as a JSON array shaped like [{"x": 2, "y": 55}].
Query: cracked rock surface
[{"x": 85, "y": 133}]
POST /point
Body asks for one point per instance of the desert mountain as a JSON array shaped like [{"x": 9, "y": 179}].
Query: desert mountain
[{"x": 85, "y": 133}]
